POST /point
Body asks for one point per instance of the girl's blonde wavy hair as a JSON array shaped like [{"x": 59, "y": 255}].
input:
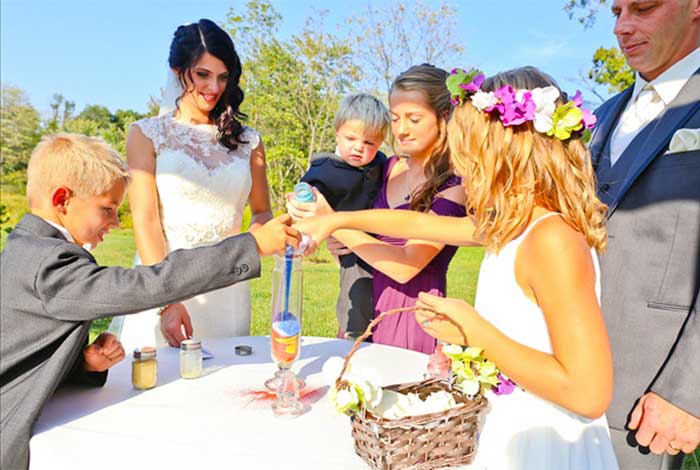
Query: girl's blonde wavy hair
[{"x": 507, "y": 171}]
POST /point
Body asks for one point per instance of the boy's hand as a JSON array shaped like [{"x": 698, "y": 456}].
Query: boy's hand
[
  {"x": 172, "y": 321},
  {"x": 103, "y": 353},
  {"x": 275, "y": 235}
]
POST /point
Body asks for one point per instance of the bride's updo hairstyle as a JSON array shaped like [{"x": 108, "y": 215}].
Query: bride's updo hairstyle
[
  {"x": 507, "y": 171},
  {"x": 189, "y": 43}
]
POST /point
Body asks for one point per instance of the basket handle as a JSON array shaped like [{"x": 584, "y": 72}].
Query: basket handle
[{"x": 373, "y": 323}]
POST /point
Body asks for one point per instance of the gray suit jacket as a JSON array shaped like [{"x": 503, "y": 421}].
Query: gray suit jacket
[
  {"x": 52, "y": 289},
  {"x": 651, "y": 271}
]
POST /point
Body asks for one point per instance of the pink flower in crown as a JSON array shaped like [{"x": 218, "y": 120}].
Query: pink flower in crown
[
  {"x": 589, "y": 118},
  {"x": 514, "y": 111},
  {"x": 578, "y": 99},
  {"x": 474, "y": 85}
]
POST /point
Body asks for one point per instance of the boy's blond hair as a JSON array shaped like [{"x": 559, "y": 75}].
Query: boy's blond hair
[
  {"x": 371, "y": 112},
  {"x": 87, "y": 165}
]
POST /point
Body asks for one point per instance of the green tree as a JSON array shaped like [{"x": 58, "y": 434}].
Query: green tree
[
  {"x": 390, "y": 39},
  {"x": 20, "y": 129},
  {"x": 253, "y": 27},
  {"x": 585, "y": 11},
  {"x": 153, "y": 106},
  {"x": 610, "y": 68},
  {"x": 292, "y": 88},
  {"x": 97, "y": 113},
  {"x": 97, "y": 120},
  {"x": 609, "y": 65},
  {"x": 61, "y": 112}
]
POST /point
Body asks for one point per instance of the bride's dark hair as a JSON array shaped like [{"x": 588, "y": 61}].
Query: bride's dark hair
[{"x": 189, "y": 43}]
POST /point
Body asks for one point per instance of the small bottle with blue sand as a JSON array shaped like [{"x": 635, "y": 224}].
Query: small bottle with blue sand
[{"x": 303, "y": 192}]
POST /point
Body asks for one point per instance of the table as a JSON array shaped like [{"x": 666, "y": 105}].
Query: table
[{"x": 215, "y": 421}]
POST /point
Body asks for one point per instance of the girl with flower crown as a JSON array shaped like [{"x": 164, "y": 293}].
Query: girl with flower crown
[
  {"x": 419, "y": 179},
  {"x": 532, "y": 204}
]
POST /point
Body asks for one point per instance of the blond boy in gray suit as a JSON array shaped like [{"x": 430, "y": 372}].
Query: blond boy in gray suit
[{"x": 52, "y": 287}]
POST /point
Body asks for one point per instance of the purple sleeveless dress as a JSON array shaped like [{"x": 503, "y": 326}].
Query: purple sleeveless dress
[{"x": 402, "y": 330}]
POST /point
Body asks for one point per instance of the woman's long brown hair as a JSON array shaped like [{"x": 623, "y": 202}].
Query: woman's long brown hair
[{"x": 430, "y": 81}]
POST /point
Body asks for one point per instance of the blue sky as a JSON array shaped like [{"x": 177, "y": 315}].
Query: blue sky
[{"x": 113, "y": 52}]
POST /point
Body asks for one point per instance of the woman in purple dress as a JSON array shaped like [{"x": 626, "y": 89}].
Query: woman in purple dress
[{"x": 420, "y": 179}]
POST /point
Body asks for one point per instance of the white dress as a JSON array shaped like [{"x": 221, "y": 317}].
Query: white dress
[
  {"x": 203, "y": 189},
  {"x": 522, "y": 431}
]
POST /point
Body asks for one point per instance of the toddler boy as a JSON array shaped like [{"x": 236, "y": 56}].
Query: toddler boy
[{"x": 350, "y": 179}]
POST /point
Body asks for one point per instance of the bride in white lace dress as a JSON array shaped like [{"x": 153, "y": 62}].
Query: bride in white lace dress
[{"x": 193, "y": 170}]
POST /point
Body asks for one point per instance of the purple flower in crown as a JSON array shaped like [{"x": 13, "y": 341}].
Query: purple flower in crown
[
  {"x": 589, "y": 118},
  {"x": 514, "y": 109},
  {"x": 505, "y": 385},
  {"x": 474, "y": 85},
  {"x": 463, "y": 83}
]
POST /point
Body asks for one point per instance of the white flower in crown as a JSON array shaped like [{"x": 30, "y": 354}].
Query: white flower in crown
[
  {"x": 545, "y": 100},
  {"x": 482, "y": 100}
]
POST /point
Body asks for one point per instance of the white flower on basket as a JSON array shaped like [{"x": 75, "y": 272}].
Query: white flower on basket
[
  {"x": 371, "y": 392},
  {"x": 395, "y": 405},
  {"x": 685, "y": 140},
  {"x": 473, "y": 373},
  {"x": 439, "y": 401},
  {"x": 345, "y": 400},
  {"x": 363, "y": 386},
  {"x": 331, "y": 370},
  {"x": 452, "y": 350}
]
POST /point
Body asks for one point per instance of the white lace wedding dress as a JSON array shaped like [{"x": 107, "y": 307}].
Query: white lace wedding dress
[
  {"x": 203, "y": 189},
  {"x": 522, "y": 431}
]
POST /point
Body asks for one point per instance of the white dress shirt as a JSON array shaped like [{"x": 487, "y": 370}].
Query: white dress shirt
[
  {"x": 649, "y": 99},
  {"x": 61, "y": 229},
  {"x": 67, "y": 234}
]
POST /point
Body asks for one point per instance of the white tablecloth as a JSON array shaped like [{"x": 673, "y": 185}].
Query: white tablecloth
[{"x": 213, "y": 422}]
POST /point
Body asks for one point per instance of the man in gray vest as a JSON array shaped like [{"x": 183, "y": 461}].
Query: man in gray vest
[{"x": 646, "y": 151}]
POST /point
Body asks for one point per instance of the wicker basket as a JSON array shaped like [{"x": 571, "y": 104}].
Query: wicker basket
[{"x": 422, "y": 442}]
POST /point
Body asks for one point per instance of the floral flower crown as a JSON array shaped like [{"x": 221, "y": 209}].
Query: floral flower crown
[{"x": 514, "y": 107}]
